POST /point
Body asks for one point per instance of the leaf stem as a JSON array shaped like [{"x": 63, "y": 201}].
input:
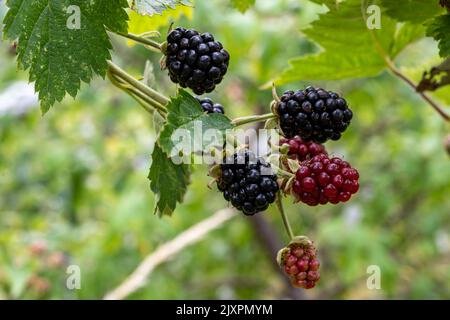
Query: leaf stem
[
  {"x": 153, "y": 94},
  {"x": 284, "y": 217},
  {"x": 249, "y": 119},
  {"x": 148, "y": 42}
]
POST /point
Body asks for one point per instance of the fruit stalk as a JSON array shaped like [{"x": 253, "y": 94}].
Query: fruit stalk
[
  {"x": 284, "y": 217},
  {"x": 250, "y": 119},
  {"x": 147, "y": 42}
]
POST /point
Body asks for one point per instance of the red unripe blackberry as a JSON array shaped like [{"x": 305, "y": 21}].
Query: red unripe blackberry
[
  {"x": 302, "y": 150},
  {"x": 209, "y": 106},
  {"x": 314, "y": 114},
  {"x": 299, "y": 262},
  {"x": 247, "y": 182},
  {"x": 195, "y": 60},
  {"x": 321, "y": 180}
]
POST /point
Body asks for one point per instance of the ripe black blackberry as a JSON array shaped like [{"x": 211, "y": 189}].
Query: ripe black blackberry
[
  {"x": 195, "y": 60},
  {"x": 247, "y": 182},
  {"x": 313, "y": 114},
  {"x": 209, "y": 106}
]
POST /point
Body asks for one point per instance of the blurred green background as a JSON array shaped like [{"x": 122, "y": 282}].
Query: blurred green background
[{"x": 73, "y": 187}]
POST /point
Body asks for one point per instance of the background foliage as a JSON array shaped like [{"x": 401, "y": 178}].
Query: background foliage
[{"x": 74, "y": 181}]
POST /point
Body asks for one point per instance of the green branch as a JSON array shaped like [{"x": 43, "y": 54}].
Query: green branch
[
  {"x": 145, "y": 41},
  {"x": 150, "y": 93},
  {"x": 250, "y": 119}
]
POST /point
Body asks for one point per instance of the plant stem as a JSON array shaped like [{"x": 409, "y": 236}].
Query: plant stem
[
  {"x": 145, "y": 41},
  {"x": 284, "y": 217},
  {"x": 155, "y": 95},
  {"x": 144, "y": 101},
  {"x": 391, "y": 66},
  {"x": 424, "y": 96},
  {"x": 249, "y": 119}
]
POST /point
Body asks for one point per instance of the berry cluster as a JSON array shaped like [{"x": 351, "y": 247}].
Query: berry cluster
[
  {"x": 209, "y": 106},
  {"x": 321, "y": 180},
  {"x": 247, "y": 182},
  {"x": 195, "y": 60},
  {"x": 299, "y": 262},
  {"x": 313, "y": 114},
  {"x": 302, "y": 150}
]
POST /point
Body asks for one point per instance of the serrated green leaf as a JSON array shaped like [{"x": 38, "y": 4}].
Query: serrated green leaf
[
  {"x": 185, "y": 113},
  {"x": 355, "y": 51},
  {"x": 415, "y": 11},
  {"x": 439, "y": 29},
  {"x": 151, "y": 7},
  {"x": 58, "y": 57},
  {"x": 242, "y": 5},
  {"x": 168, "y": 181}
]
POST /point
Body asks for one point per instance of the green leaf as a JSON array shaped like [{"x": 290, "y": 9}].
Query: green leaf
[
  {"x": 439, "y": 29},
  {"x": 59, "y": 57},
  {"x": 242, "y": 5},
  {"x": 151, "y": 7},
  {"x": 353, "y": 52},
  {"x": 415, "y": 11},
  {"x": 187, "y": 117},
  {"x": 407, "y": 34},
  {"x": 168, "y": 181}
]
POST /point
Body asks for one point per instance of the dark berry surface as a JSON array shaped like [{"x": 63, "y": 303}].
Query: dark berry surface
[
  {"x": 314, "y": 114},
  {"x": 247, "y": 182},
  {"x": 209, "y": 106},
  {"x": 321, "y": 180},
  {"x": 300, "y": 264},
  {"x": 301, "y": 150},
  {"x": 195, "y": 60}
]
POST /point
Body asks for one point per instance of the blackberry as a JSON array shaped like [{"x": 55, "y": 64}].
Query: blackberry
[
  {"x": 247, "y": 182},
  {"x": 299, "y": 262},
  {"x": 195, "y": 60},
  {"x": 209, "y": 106},
  {"x": 301, "y": 150},
  {"x": 313, "y": 114},
  {"x": 321, "y": 180}
]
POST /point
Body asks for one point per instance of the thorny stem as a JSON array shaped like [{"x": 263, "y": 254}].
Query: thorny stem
[
  {"x": 284, "y": 217},
  {"x": 148, "y": 42},
  {"x": 149, "y": 92},
  {"x": 249, "y": 119}
]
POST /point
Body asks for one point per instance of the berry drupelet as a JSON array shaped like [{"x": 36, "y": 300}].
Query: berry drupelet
[
  {"x": 209, "y": 106},
  {"x": 299, "y": 262},
  {"x": 195, "y": 60},
  {"x": 247, "y": 182},
  {"x": 301, "y": 150},
  {"x": 313, "y": 114},
  {"x": 321, "y": 180}
]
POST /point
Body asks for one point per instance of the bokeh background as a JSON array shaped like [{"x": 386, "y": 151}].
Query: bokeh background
[{"x": 73, "y": 187}]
